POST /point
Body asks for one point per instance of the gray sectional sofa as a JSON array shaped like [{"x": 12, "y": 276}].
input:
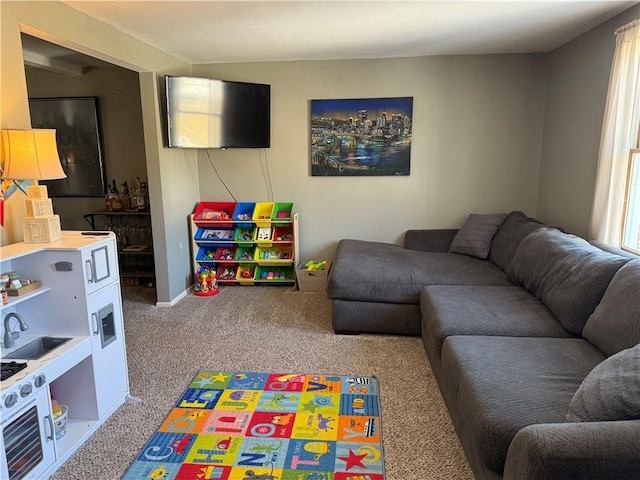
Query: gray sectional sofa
[{"x": 533, "y": 335}]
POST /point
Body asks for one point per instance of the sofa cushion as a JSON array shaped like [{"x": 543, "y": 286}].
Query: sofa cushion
[
  {"x": 611, "y": 391},
  {"x": 384, "y": 272},
  {"x": 475, "y": 236},
  {"x": 502, "y": 384},
  {"x": 615, "y": 323},
  {"x": 566, "y": 272},
  {"x": 506, "y": 240},
  {"x": 449, "y": 310}
]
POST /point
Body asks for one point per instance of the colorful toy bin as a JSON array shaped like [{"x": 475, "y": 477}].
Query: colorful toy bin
[
  {"x": 244, "y": 212},
  {"x": 214, "y": 214},
  {"x": 273, "y": 274},
  {"x": 262, "y": 214},
  {"x": 282, "y": 211}
]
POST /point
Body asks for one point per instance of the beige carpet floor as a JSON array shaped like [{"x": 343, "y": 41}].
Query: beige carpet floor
[{"x": 269, "y": 329}]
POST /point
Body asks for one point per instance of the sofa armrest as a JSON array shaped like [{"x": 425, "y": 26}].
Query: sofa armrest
[
  {"x": 575, "y": 451},
  {"x": 429, "y": 240}
]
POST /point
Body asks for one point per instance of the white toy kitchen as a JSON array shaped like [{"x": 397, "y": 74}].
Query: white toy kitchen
[{"x": 64, "y": 364}]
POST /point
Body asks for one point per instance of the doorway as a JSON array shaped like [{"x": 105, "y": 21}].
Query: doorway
[{"x": 55, "y": 72}]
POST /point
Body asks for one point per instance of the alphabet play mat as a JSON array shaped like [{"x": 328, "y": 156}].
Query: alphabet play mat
[{"x": 268, "y": 426}]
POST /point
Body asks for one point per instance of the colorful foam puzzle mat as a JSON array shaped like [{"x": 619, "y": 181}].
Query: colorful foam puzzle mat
[{"x": 268, "y": 426}]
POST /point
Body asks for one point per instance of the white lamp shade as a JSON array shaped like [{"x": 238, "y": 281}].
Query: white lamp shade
[{"x": 31, "y": 155}]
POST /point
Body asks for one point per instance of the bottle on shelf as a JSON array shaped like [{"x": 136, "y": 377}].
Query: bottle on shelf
[
  {"x": 138, "y": 196},
  {"x": 116, "y": 203},
  {"x": 125, "y": 196},
  {"x": 109, "y": 198},
  {"x": 145, "y": 194}
]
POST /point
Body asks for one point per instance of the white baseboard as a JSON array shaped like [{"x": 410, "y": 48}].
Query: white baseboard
[{"x": 175, "y": 300}]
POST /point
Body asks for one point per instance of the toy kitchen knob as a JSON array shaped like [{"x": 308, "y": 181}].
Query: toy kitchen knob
[
  {"x": 26, "y": 389},
  {"x": 40, "y": 380},
  {"x": 10, "y": 400}
]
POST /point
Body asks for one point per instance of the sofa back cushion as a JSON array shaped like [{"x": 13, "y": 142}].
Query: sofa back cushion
[
  {"x": 615, "y": 323},
  {"x": 610, "y": 392},
  {"x": 508, "y": 237},
  {"x": 475, "y": 236},
  {"x": 566, "y": 272}
]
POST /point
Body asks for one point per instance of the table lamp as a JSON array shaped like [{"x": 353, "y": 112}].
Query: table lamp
[{"x": 33, "y": 155}]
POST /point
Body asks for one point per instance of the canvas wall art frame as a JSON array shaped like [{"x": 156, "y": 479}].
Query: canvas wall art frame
[
  {"x": 77, "y": 126},
  {"x": 361, "y": 136}
]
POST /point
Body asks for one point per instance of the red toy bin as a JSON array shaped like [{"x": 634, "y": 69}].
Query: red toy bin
[
  {"x": 282, "y": 212},
  {"x": 227, "y": 273},
  {"x": 226, "y": 254},
  {"x": 214, "y": 214},
  {"x": 244, "y": 213},
  {"x": 245, "y": 275},
  {"x": 283, "y": 234}
]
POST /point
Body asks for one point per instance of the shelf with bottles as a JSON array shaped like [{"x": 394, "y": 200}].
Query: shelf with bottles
[
  {"x": 135, "y": 199},
  {"x": 132, "y": 229},
  {"x": 244, "y": 242},
  {"x": 134, "y": 242}
]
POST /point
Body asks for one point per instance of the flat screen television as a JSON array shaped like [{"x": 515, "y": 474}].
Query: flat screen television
[{"x": 207, "y": 113}]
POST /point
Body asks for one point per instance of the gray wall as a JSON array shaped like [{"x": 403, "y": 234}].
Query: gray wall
[
  {"x": 476, "y": 144},
  {"x": 120, "y": 111},
  {"x": 172, "y": 175},
  {"x": 576, "y": 95}
]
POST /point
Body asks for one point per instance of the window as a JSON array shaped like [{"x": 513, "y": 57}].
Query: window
[
  {"x": 615, "y": 218},
  {"x": 631, "y": 216}
]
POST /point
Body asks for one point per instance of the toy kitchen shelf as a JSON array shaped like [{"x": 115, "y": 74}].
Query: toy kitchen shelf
[
  {"x": 135, "y": 244},
  {"x": 245, "y": 243}
]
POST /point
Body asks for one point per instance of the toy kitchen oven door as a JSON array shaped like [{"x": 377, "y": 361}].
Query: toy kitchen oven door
[{"x": 28, "y": 446}]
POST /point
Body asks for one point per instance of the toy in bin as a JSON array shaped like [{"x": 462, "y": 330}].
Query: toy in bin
[
  {"x": 206, "y": 282},
  {"x": 311, "y": 265},
  {"x": 59, "y": 418}
]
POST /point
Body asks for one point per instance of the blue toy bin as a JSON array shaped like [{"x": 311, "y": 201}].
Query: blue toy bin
[{"x": 244, "y": 213}]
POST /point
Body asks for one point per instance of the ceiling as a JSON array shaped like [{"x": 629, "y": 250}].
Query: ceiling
[{"x": 258, "y": 31}]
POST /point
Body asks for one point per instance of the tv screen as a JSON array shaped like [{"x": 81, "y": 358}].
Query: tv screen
[{"x": 207, "y": 113}]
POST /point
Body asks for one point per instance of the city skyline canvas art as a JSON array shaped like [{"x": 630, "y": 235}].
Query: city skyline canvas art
[{"x": 361, "y": 136}]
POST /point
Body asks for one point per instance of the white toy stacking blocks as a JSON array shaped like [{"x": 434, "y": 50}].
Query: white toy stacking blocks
[{"x": 40, "y": 225}]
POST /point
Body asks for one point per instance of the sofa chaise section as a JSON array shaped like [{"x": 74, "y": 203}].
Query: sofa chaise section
[{"x": 375, "y": 287}]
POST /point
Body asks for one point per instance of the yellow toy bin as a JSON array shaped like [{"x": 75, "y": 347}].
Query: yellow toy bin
[
  {"x": 273, "y": 255},
  {"x": 245, "y": 274},
  {"x": 263, "y": 236},
  {"x": 262, "y": 213}
]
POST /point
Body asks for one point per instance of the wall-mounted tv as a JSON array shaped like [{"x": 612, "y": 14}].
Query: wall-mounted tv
[{"x": 207, "y": 113}]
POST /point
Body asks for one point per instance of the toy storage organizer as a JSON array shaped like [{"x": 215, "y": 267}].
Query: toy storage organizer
[{"x": 245, "y": 243}]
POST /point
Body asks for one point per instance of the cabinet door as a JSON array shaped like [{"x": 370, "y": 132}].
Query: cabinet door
[
  {"x": 100, "y": 265},
  {"x": 107, "y": 347}
]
